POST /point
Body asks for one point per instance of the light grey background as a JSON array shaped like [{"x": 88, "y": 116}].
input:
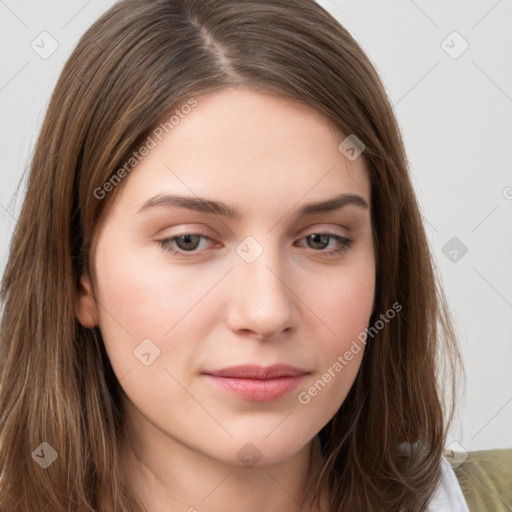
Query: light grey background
[{"x": 455, "y": 114}]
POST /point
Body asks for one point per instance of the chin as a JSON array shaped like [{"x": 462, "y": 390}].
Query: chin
[{"x": 258, "y": 450}]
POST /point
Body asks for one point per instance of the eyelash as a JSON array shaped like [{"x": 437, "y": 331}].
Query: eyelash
[{"x": 344, "y": 245}]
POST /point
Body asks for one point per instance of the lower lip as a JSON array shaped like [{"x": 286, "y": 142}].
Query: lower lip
[{"x": 256, "y": 390}]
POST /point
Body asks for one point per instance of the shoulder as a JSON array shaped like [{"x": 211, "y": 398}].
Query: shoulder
[{"x": 485, "y": 478}]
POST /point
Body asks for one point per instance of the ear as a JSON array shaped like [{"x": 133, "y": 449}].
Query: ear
[{"x": 86, "y": 308}]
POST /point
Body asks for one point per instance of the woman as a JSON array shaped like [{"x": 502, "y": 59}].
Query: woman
[{"x": 219, "y": 293}]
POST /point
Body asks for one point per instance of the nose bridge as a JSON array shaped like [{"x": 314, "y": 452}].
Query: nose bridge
[
  {"x": 261, "y": 267},
  {"x": 263, "y": 300}
]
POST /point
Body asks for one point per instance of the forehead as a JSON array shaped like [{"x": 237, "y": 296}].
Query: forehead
[{"x": 249, "y": 149}]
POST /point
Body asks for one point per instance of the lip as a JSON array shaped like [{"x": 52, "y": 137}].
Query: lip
[{"x": 258, "y": 383}]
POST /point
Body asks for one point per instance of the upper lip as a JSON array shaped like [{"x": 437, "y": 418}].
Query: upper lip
[{"x": 258, "y": 372}]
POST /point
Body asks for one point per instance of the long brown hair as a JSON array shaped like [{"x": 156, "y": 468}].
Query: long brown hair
[{"x": 143, "y": 59}]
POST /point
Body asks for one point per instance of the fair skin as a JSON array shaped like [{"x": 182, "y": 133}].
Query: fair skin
[{"x": 268, "y": 157}]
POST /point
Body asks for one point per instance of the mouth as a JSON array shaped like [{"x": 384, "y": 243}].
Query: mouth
[{"x": 257, "y": 383}]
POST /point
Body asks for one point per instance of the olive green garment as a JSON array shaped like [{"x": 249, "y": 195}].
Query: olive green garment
[{"x": 485, "y": 478}]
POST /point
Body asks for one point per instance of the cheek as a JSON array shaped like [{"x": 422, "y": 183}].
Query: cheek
[
  {"x": 142, "y": 297},
  {"x": 343, "y": 302},
  {"x": 344, "y": 311}
]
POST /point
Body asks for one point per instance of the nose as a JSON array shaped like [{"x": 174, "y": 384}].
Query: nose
[{"x": 262, "y": 300}]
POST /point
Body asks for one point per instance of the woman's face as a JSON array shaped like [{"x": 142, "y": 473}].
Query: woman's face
[{"x": 184, "y": 294}]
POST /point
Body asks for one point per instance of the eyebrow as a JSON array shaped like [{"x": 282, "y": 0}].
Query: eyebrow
[{"x": 201, "y": 204}]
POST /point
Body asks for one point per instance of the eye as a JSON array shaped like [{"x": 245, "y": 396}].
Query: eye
[
  {"x": 321, "y": 240},
  {"x": 186, "y": 245},
  {"x": 187, "y": 242}
]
